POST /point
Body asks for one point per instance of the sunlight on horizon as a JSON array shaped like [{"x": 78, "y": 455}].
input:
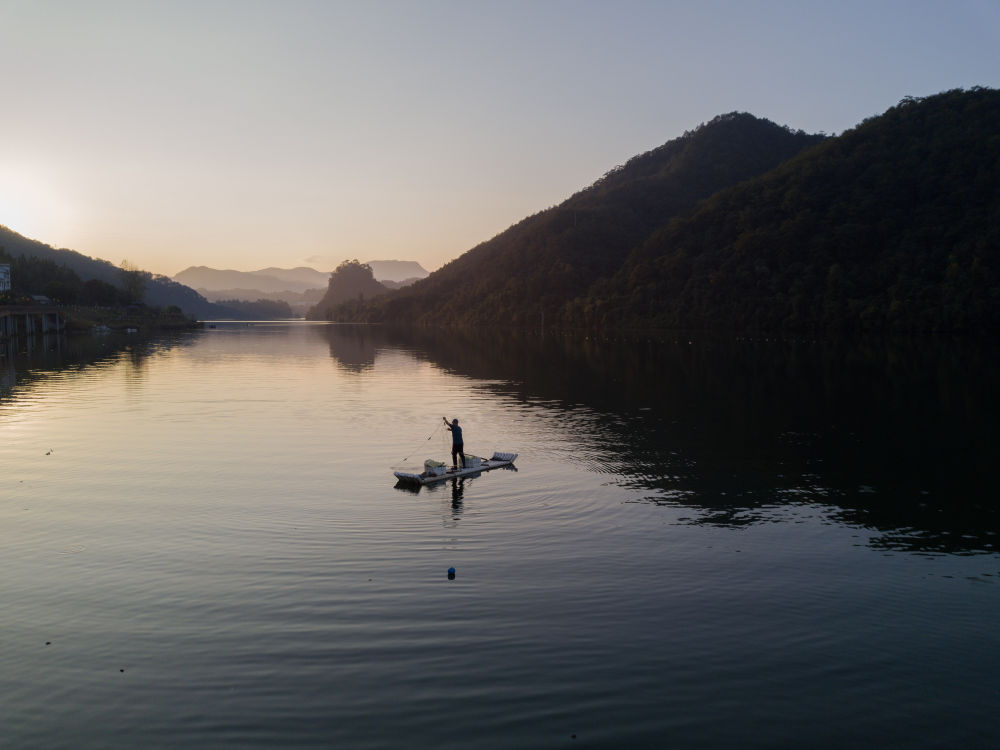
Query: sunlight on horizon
[
  {"x": 32, "y": 207},
  {"x": 408, "y": 131}
]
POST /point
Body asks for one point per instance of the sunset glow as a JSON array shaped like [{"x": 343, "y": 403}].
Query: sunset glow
[
  {"x": 32, "y": 205},
  {"x": 242, "y": 135}
]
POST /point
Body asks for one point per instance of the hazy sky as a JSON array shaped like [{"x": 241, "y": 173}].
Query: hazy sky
[{"x": 243, "y": 134}]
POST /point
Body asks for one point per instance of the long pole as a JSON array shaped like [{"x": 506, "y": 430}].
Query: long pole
[{"x": 407, "y": 458}]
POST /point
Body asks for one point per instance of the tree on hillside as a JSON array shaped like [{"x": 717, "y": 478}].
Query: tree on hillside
[
  {"x": 352, "y": 281},
  {"x": 353, "y": 272},
  {"x": 100, "y": 294},
  {"x": 133, "y": 281},
  {"x": 37, "y": 276}
]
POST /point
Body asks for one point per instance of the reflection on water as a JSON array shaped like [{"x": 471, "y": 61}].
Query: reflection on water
[
  {"x": 20, "y": 366},
  {"x": 456, "y": 485},
  {"x": 895, "y": 435},
  {"x": 202, "y": 546},
  {"x": 457, "y": 492},
  {"x": 892, "y": 434},
  {"x": 353, "y": 347}
]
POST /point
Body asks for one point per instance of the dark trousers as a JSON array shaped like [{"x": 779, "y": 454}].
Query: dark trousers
[{"x": 457, "y": 450}]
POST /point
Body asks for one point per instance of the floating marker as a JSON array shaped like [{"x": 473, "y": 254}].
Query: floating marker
[{"x": 451, "y": 574}]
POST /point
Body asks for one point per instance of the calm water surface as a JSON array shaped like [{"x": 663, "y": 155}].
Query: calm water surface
[{"x": 708, "y": 543}]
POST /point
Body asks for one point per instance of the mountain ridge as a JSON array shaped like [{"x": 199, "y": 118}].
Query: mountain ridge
[
  {"x": 894, "y": 225},
  {"x": 159, "y": 290},
  {"x": 299, "y": 279},
  {"x": 534, "y": 267}
]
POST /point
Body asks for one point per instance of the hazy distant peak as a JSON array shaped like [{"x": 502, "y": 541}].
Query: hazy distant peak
[
  {"x": 397, "y": 270},
  {"x": 298, "y": 279}
]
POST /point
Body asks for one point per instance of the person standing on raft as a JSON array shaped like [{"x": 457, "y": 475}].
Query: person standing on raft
[{"x": 457, "y": 446}]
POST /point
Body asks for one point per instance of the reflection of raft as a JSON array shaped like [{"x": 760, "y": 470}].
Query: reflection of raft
[{"x": 435, "y": 471}]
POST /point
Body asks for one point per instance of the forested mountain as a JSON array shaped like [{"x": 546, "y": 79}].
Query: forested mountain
[
  {"x": 68, "y": 267},
  {"x": 544, "y": 261},
  {"x": 894, "y": 225},
  {"x": 352, "y": 283}
]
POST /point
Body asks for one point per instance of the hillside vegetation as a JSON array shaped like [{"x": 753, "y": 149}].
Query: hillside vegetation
[
  {"x": 743, "y": 225},
  {"x": 895, "y": 225},
  {"x": 352, "y": 283},
  {"x": 69, "y": 277},
  {"x": 550, "y": 258}
]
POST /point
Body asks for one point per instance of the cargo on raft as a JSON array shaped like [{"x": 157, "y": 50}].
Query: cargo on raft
[{"x": 436, "y": 471}]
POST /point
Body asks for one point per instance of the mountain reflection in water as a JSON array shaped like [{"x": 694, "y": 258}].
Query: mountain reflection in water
[
  {"x": 203, "y": 546},
  {"x": 893, "y": 435},
  {"x": 21, "y": 366}
]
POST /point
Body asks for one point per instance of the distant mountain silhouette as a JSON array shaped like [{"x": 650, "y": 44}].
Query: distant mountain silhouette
[
  {"x": 538, "y": 265},
  {"x": 310, "y": 278},
  {"x": 300, "y": 287},
  {"x": 743, "y": 225},
  {"x": 265, "y": 280},
  {"x": 396, "y": 271},
  {"x": 298, "y": 279}
]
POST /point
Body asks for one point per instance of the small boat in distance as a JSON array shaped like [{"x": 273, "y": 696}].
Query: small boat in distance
[{"x": 435, "y": 471}]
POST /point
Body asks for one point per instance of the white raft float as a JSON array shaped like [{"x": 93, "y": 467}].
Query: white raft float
[{"x": 435, "y": 471}]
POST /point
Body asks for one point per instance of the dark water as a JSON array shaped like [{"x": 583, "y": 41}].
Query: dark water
[{"x": 708, "y": 542}]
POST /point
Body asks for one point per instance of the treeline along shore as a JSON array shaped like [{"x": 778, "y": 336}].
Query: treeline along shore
[{"x": 43, "y": 288}]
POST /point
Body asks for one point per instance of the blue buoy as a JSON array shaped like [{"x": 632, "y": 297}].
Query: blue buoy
[{"x": 451, "y": 573}]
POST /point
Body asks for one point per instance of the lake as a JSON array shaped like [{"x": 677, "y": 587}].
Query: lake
[{"x": 707, "y": 541}]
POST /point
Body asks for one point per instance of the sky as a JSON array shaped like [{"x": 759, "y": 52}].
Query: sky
[{"x": 244, "y": 134}]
